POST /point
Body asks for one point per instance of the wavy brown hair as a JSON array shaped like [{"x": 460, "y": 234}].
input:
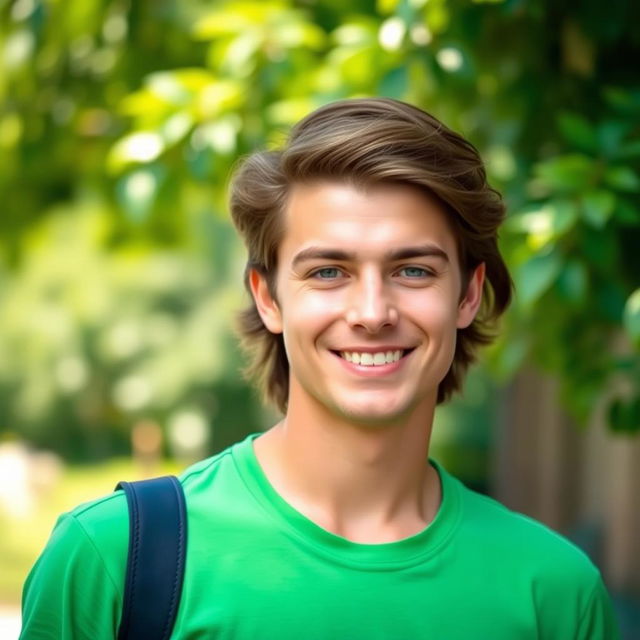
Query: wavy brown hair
[{"x": 366, "y": 142}]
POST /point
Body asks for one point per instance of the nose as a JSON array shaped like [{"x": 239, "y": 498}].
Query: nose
[{"x": 371, "y": 306}]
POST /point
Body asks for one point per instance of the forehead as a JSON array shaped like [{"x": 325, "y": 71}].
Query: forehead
[{"x": 368, "y": 221}]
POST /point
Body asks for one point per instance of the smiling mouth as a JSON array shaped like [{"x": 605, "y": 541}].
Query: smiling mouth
[{"x": 375, "y": 359}]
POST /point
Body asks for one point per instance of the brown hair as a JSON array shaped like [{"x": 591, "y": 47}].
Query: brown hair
[{"x": 365, "y": 142}]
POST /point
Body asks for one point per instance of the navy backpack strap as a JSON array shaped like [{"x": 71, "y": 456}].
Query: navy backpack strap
[{"x": 155, "y": 564}]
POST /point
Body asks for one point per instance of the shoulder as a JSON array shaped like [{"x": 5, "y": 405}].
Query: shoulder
[
  {"x": 75, "y": 588},
  {"x": 202, "y": 473},
  {"x": 93, "y": 535},
  {"x": 523, "y": 545},
  {"x": 105, "y": 520},
  {"x": 533, "y": 563},
  {"x": 77, "y": 584}
]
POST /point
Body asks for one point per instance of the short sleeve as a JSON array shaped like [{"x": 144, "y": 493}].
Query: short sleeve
[
  {"x": 69, "y": 593},
  {"x": 598, "y": 621}
]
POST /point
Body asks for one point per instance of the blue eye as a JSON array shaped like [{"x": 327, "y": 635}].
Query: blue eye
[
  {"x": 327, "y": 273},
  {"x": 414, "y": 272}
]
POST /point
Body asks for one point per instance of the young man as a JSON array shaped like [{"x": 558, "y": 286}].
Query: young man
[{"x": 374, "y": 275}]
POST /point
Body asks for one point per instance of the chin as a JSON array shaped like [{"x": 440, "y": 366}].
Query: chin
[{"x": 375, "y": 412}]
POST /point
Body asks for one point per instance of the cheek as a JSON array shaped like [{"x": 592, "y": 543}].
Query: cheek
[
  {"x": 308, "y": 315},
  {"x": 320, "y": 303},
  {"x": 435, "y": 312},
  {"x": 315, "y": 306}
]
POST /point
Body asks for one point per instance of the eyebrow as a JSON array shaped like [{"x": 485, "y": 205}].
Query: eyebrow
[{"x": 404, "y": 253}]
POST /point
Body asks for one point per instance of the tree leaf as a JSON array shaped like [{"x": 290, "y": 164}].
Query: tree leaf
[
  {"x": 627, "y": 213},
  {"x": 631, "y": 316},
  {"x": 597, "y": 207},
  {"x": 394, "y": 84},
  {"x": 624, "y": 415},
  {"x": 567, "y": 173},
  {"x": 610, "y": 135},
  {"x": 622, "y": 178},
  {"x": 139, "y": 147},
  {"x": 629, "y": 150},
  {"x": 578, "y": 132},
  {"x": 572, "y": 281},
  {"x": 535, "y": 276}
]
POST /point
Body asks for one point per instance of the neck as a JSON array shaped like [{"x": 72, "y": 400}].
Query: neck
[{"x": 368, "y": 483}]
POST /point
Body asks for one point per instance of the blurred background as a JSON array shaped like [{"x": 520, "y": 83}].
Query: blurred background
[{"x": 120, "y": 274}]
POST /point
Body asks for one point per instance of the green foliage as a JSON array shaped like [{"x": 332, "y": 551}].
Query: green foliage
[
  {"x": 578, "y": 265},
  {"x": 120, "y": 123},
  {"x": 94, "y": 334},
  {"x": 632, "y": 316}
]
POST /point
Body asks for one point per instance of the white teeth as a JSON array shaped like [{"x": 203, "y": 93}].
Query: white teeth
[{"x": 371, "y": 359}]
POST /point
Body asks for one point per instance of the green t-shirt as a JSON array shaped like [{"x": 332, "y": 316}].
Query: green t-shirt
[{"x": 259, "y": 570}]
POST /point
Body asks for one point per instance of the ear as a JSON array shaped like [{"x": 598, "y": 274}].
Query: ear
[
  {"x": 470, "y": 303},
  {"x": 266, "y": 305}
]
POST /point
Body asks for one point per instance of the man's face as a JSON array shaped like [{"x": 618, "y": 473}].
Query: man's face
[{"x": 368, "y": 299}]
